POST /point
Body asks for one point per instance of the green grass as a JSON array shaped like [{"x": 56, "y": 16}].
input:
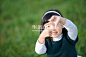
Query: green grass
[{"x": 17, "y": 17}]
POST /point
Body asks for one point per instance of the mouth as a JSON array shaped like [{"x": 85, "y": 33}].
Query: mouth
[{"x": 54, "y": 33}]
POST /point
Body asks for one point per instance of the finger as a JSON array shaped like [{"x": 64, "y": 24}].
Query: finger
[
  {"x": 45, "y": 26},
  {"x": 49, "y": 23},
  {"x": 56, "y": 24},
  {"x": 52, "y": 19}
]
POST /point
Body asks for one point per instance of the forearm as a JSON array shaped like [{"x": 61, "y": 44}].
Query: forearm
[
  {"x": 63, "y": 20},
  {"x": 41, "y": 39},
  {"x": 40, "y": 48},
  {"x": 72, "y": 29}
]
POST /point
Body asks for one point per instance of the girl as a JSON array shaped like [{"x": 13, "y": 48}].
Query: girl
[{"x": 59, "y": 36}]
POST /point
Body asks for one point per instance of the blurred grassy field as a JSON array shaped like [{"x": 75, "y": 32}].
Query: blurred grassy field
[{"x": 17, "y": 17}]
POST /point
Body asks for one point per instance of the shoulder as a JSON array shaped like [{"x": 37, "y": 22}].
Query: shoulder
[{"x": 69, "y": 40}]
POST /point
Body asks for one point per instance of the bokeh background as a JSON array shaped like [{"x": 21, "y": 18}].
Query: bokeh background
[{"x": 17, "y": 17}]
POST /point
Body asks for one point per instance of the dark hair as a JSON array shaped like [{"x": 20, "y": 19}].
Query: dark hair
[{"x": 45, "y": 19}]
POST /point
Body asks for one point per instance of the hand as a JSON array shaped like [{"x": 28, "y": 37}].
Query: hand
[
  {"x": 57, "y": 20},
  {"x": 47, "y": 31}
]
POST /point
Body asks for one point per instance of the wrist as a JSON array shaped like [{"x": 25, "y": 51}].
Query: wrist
[
  {"x": 63, "y": 20},
  {"x": 41, "y": 40},
  {"x": 42, "y": 36}
]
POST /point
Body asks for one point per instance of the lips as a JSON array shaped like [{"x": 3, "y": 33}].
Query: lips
[{"x": 54, "y": 33}]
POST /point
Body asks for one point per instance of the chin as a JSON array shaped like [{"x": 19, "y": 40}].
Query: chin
[{"x": 54, "y": 36}]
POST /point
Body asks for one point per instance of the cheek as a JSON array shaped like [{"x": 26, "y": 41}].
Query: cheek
[{"x": 59, "y": 29}]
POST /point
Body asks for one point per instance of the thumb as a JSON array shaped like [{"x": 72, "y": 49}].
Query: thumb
[
  {"x": 56, "y": 24},
  {"x": 52, "y": 19}
]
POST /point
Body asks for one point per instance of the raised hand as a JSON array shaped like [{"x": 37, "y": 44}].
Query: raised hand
[
  {"x": 46, "y": 32},
  {"x": 57, "y": 20}
]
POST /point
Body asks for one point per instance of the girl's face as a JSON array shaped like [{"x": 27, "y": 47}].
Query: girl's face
[{"x": 55, "y": 31}]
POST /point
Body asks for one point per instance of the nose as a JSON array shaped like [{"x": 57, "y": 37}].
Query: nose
[{"x": 53, "y": 27}]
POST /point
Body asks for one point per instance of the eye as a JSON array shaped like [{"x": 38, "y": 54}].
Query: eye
[{"x": 48, "y": 26}]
